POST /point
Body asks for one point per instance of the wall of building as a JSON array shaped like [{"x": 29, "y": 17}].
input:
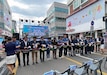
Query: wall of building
[
  {"x": 1, "y": 15},
  {"x": 56, "y": 16},
  {"x": 5, "y": 18},
  {"x": 81, "y": 6},
  {"x": 81, "y": 21}
]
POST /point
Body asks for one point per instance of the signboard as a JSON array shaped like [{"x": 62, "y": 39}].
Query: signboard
[
  {"x": 1, "y": 46},
  {"x": 36, "y": 30},
  {"x": 92, "y": 23}
]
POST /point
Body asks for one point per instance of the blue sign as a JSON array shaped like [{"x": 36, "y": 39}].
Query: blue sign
[
  {"x": 92, "y": 23},
  {"x": 1, "y": 39},
  {"x": 36, "y": 30}
]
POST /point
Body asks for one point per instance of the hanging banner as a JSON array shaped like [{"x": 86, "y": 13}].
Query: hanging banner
[{"x": 36, "y": 30}]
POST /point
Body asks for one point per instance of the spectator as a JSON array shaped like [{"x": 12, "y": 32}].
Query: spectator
[{"x": 10, "y": 54}]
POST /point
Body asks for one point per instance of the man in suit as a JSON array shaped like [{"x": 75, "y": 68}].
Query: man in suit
[
  {"x": 25, "y": 46},
  {"x": 17, "y": 51},
  {"x": 42, "y": 51},
  {"x": 34, "y": 46},
  {"x": 66, "y": 43},
  {"x": 49, "y": 44}
]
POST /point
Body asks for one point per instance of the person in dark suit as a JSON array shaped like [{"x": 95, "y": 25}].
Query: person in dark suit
[
  {"x": 54, "y": 43},
  {"x": 86, "y": 44},
  {"x": 17, "y": 51},
  {"x": 42, "y": 49},
  {"x": 73, "y": 43},
  {"x": 60, "y": 46},
  {"x": 66, "y": 43},
  {"x": 35, "y": 49},
  {"x": 25, "y": 46}
]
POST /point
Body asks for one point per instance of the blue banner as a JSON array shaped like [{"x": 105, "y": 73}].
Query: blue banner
[
  {"x": 1, "y": 39},
  {"x": 36, "y": 30}
]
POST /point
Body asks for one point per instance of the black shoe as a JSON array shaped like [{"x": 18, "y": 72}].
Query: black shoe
[
  {"x": 19, "y": 65},
  {"x": 36, "y": 62},
  {"x": 33, "y": 63},
  {"x": 27, "y": 64}
]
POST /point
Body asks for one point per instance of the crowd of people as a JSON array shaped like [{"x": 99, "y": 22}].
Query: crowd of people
[{"x": 38, "y": 48}]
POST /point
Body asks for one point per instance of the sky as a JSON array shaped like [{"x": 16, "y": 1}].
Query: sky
[{"x": 31, "y": 9}]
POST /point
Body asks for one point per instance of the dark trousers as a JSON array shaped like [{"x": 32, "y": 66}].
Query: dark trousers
[
  {"x": 42, "y": 55},
  {"x": 81, "y": 50},
  {"x": 74, "y": 48},
  {"x": 86, "y": 48},
  {"x": 18, "y": 57},
  {"x": 24, "y": 55},
  {"x": 70, "y": 51},
  {"x": 60, "y": 51},
  {"x": 54, "y": 53},
  {"x": 65, "y": 51},
  {"x": 48, "y": 53}
]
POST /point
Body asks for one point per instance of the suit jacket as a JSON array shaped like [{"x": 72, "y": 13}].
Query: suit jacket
[
  {"x": 42, "y": 42},
  {"x": 32, "y": 42},
  {"x": 23, "y": 44}
]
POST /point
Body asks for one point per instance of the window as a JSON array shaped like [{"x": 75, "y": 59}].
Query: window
[
  {"x": 60, "y": 19},
  {"x": 83, "y": 1},
  {"x": 1, "y": 1},
  {"x": 63, "y": 10},
  {"x": 76, "y": 4},
  {"x": 1, "y": 13}
]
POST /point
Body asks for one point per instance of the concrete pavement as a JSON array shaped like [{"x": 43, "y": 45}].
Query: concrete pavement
[{"x": 57, "y": 64}]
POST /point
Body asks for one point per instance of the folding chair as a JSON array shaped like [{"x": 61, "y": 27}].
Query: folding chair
[
  {"x": 81, "y": 70},
  {"x": 96, "y": 65},
  {"x": 54, "y": 72},
  {"x": 50, "y": 73},
  {"x": 105, "y": 62}
]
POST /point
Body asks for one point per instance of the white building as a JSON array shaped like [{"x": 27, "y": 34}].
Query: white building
[{"x": 56, "y": 19}]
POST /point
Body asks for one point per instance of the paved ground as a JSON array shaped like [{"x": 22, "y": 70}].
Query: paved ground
[{"x": 58, "y": 64}]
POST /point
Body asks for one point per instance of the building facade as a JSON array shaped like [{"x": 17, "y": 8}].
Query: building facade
[
  {"x": 86, "y": 17},
  {"x": 56, "y": 19},
  {"x": 5, "y": 19}
]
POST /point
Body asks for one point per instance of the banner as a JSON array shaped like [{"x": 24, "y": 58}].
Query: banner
[
  {"x": 1, "y": 46},
  {"x": 36, "y": 30}
]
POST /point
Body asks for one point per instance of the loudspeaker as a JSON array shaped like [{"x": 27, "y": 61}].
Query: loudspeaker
[{"x": 16, "y": 35}]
